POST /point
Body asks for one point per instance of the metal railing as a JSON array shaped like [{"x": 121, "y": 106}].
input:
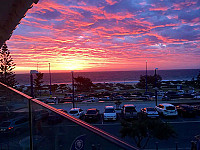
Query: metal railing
[{"x": 69, "y": 129}]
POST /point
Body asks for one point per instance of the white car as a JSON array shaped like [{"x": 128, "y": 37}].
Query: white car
[
  {"x": 166, "y": 109},
  {"x": 109, "y": 113},
  {"x": 76, "y": 112},
  {"x": 150, "y": 112}
]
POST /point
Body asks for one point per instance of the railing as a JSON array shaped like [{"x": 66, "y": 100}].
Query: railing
[{"x": 36, "y": 125}]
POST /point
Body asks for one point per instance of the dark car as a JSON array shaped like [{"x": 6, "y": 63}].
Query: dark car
[
  {"x": 150, "y": 112},
  {"x": 129, "y": 111},
  {"x": 185, "y": 110},
  {"x": 15, "y": 125},
  {"x": 92, "y": 115}
]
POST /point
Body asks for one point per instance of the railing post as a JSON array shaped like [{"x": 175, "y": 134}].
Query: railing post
[
  {"x": 156, "y": 145},
  {"x": 30, "y": 124}
]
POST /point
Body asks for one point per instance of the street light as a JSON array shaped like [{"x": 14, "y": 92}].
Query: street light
[
  {"x": 156, "y": 86},
  {"x": 73, "y": 88}
]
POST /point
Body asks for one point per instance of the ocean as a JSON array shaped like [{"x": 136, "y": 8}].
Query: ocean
[{"x": 112, "y": 76}]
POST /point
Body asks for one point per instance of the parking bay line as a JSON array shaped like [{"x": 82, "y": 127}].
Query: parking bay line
[{"x": 175, "y": 122}]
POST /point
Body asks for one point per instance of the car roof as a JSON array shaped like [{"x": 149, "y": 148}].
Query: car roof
[
  {"x": 74, "y": 109},
  {"x": 92, "y": 109},
  {"x": 129, "y": 105},
  {"x": 150, "y": 107},
  {"x": 166, "y": 104},
  {"x": 109, "y": 107}
]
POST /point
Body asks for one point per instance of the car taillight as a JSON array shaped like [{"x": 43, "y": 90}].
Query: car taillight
[{"x": 10, "y": 128}]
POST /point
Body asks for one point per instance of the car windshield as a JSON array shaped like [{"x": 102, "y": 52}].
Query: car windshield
[
  {"x": 91, "y": 112},
  {"x": 109, "y": 110},
  {"x": 151, "y": 109},
  {"x": 170, "y": 108},
  {"x": 130, "y": 109},
  {"x": 73, "y": 112},
  {"x": 5, "y": 124}
]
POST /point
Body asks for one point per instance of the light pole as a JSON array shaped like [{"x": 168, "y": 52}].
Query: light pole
[
  {"x": 146, "y": 76},
  {"x": 73, "y": 88},
  {"x": 50, "y": 81},
  {"x": 29, "y": 107},
  {"x": 156, "y": 98}
]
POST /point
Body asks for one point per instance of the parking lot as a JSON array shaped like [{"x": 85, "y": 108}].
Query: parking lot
[{"x": 186, "y": 128}]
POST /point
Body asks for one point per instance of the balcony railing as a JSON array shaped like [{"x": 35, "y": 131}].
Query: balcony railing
[{"x": 28, "y": 123}]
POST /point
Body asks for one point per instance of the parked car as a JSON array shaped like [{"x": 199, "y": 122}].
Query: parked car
[
  {"x": 92, "y": 114},
  {"x": 51, "y": 100},
  {"x": 150, "y": 112},
  {"x": 94, "y": 99},
  {"x": 129, "y": 111},
  {"x": 166, "y": 109},
  {"x": 197, "y": 109},
  {"x": 109, "y": 113},
  {"x": 185, "y": 110},
  {"x": 119, "y": 97},
  {"x": 105, "y": 98},
  {"x": 76, "y": 112},
  {"x": 15, "y": 125}
]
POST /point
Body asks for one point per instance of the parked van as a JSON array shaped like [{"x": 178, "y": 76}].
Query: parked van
[{"x": 129, "y": 111}]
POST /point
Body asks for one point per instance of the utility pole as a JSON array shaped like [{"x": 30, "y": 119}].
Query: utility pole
[
  {"x": 156, "y": 98},
  {"x": 73, "y": 88},
  {"x": 50, "y": 81},
  {"x": 146, "y": 77}
]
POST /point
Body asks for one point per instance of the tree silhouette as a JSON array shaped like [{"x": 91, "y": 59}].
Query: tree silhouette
[
  {"x": 143, "y": 129},
  {"x": 83, "y": 84},
  {"x": 7, "y": 75},
  {"x": 38, "y": 82},
  {"x": 150, "y": 81}
]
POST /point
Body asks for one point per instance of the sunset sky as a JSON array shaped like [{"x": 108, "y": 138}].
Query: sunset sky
[{"x": 108, "y": 35}]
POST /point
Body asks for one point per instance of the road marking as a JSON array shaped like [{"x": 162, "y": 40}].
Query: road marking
[
  {"x": 182, "y": 122},
  {"x": 107, "y": 124}
]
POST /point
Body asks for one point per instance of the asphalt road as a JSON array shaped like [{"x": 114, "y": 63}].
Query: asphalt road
[{"x": 186, "y": 128}]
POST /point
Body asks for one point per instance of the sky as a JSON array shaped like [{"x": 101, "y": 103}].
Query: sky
[{"x": 108, "y": 35}]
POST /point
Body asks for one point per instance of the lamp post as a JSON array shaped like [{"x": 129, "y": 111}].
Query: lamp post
[
  {"x": 146, "y": 76},
  {"x": 73, "y": 88},
  {"x": 29, "y": 107},
  {"x": 50, "y": 81},
  {"x": 156, "y": 98}
]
